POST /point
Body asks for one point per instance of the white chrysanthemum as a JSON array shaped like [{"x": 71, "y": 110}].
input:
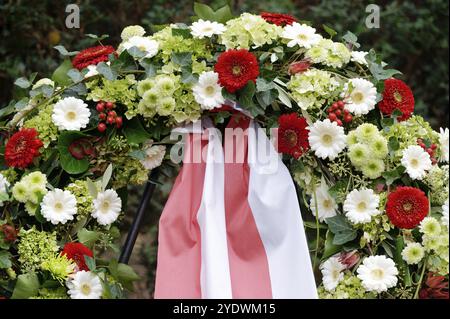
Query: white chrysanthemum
[
  {"x": 443, "y": 143},
  {"x": 413, "y": 253},
  {"x": 59, "y": 206},
  {"x": 359, "y": 57},
  {"x": 206, "y": 29},
  {"x": 444, "y": 218},
  {"x": 43, "y": 81},
  {"x": 416, "y": 161},
  {"x": 360, "y": 96},
  {"x": 301, "y": 35},
  {"x": 154, "y": 155},
  {"x": 326, "y": 205},
  {"x": 85, "y": 285},
  {"x": 361, "y": 205},
  {"x": 429, "y": 226},
  {"x": 145, "y": 44},
  {"x": 132, "y": 31},
  {"x": 327, "y": 139},
  {"x": 71, "y": 114},
  {"x": 332, "y": 273},
  {"x": 208, "y": 92},
  {"x": 378, "y": 273},
  {"x": 4, "y": 184},
  {"x": 107, "y": 207}
]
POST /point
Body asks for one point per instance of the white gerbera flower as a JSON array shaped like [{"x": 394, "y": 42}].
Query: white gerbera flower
[
  {"x": 327, "y": 139},
  {"x": 206, "y": 29},
  {"x": 378, "y": 273},
  {"x": 145, "y": 44},
  {"x": 416, "y": 161},
  {"x": 359, "y": 57},
  {"x": 444, "y": 218},
  {"x": 71, "y": 114},
  {"x": 59, "y": 206},
  {"x": 107, "y": 207},
  {"x": 301, "y": 35},
  {"x": 430, "y": 226},
  {"x": 413, "y": 253},
  {"x": 362, "y": 97},
  {"x": 361, "y": 205},
  {"x": 443, "y": 142},
  {"x": 4, "y": 184},
  {"x": 85, "y": 285},
  {"x": 332, "y": 273},
  {"x": 326, "y": 205},
  {"x": 154, "y": 155},
  {"x": 208, "y": 92}
]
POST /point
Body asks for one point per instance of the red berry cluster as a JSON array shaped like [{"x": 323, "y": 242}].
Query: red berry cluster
[
  {"x": 107, "y": 115},
  {"x": 337, "y": 113},
  {"x": 430, "y": 150}
]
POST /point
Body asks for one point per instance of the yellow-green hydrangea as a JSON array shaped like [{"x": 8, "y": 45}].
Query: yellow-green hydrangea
[
  {"x": 80, "y": 189},
  {"x": 35, "y": 247},
  {"x": 129, "y": 171},
  {"x": 437, "y": 180},
  {"x": 329, "y": 53},
  {"x": 249, "y": 31},
  {"x": 312, "y": 88},
  {"x": 42, "y": 122},
  {"x": 350, "y": 287}
]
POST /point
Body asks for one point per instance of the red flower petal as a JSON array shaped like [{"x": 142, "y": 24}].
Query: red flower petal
[
  {"x": 92, "y": 56},
  {"x": 76, "y": 252},
  {"x": 397, "y": 95},
  {"x": 22, "y": 148},
  {"x": 292, "y": 135},
  {"x": 278, "y": 18}
]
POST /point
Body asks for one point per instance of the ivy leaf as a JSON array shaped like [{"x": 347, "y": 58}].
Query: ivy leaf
[
  {"x": 60, "y": 74},
  {"x": 5, "y": 259},
  {"x": 266, "y": 98},
  {"x": 27, "y": 286},
  {"x": 330, "y": 249},
  {"x": 182, "y": 58},
  {"x": 136, "y": 53},
  {"x": 105, "y": 70},
  {"x": 263, "y": 85},
  {"x": 341, "y": 228},
  {"x": 187, "y": 76},
  {"x": 150, "y": 68},
  {"x": 22, "y": 83},
  {"x": 63, "y": 51},
  {"x": 123, "y": 274},
  {"x": 246, "y": 99},
  {"x": 135, "y": 132},
  {"x": 88, "y": 237},
  {"x": 351, "y": 38},
  {"x": 185, "y": 33},
  {"x": 205, "y": 12}
]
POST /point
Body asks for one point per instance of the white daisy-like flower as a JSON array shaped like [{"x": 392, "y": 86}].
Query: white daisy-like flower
[
  {"x": 430, "y": 226},
  {"x": 413, "y": 253},
  {"x": 327, "y": 139},
  {"x": 59, "y": 206},
  {"x": 444, "y": 218},
  {"x": 378, "y": 273},
  {"x": 361, "y": 205},
  {"x": 362, "y": 97},
  {"x": 145, "y": 44},
  {"x": 84, "y": 285},
  {"x": 154, "y": 155},
  {"x": 107, "y": 207},
  {"x": 301, "y": 35},
  {"x": 443, "y": 144},
  {"x": 208, "y": 92},
  {"x": 326, "y": 205},
  {"x": 332, "y": 273},
  {"x": 359, "y": 57},
  {"x": 4, "y": 184},
  {"x": 71, "y": 114},
  {"x": 416, "y": 161},
  {"x": 206, "y": 29}
]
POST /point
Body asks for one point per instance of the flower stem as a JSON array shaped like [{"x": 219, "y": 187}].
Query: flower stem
[
  {"x": 316, "y": 205},
  {"x": 419, "y": 284}
]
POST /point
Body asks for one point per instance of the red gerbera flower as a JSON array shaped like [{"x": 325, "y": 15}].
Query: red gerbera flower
[
  {"x": 406, "y": 207},
  {"x": 236, "y": 68},
  {"x": 397, "y": 95},
  {"x": 292, "y": 135},
  {"x": 76, "y": 252},
  {"x": 278, "y": 18},
  {"x": 22, "y": 148},
  {"x": 92, "y": 56}
]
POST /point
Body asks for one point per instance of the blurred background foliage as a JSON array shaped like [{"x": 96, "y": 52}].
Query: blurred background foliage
[{"x": 413, "y": 38}]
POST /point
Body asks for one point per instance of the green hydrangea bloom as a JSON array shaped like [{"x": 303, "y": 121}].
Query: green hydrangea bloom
[
  {"x": 35, "y": 247},
  {"x": 10, "y": 174},
  {"x": 129, "y": 171},
  {"x": 249, "y": 31},
  {"x": 42, "y": 122},
  {"x": 59, "y": 266},
  {"x": 350, "y": 287},
  {"x": 437, "y": 180},
  {"x": 46, "y": 293},
  {"x": 329, "y": 53},
  {"x": 80, "y": 189},
  {"x": 312, "y": 88}
]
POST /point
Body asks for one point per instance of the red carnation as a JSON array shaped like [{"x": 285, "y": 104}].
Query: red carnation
[
  {"x": 76, "y": 252},
  {"x": 406, "y": 207},
  {"x": 9, "y": 232},
  {"x": 236, "y": 68},
  {"x": 22, "y": 148},
  {"x": 292, "y": 135},
  {"x": 397, "y": 95},
  {"x": 92, "y": 56},
  {"x": 278, "y": 18}
]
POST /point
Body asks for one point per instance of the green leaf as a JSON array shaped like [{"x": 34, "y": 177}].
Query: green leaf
[
  {"x": 90, "y": 262},
  {"x": 264, "y": 85},
  {"x": 27, "y": 286},
  {"x": 342, "y": 229},
  {"x": 22, "y": 83},
  {"x": 63, "y": 51},
  {"x": 185, "y": 33},
  {"x": 150, "y": 68},
  {"x": 96, "y": 37},
  {"x": 246, "y": 99},
  {"x": 105, "y": 70},
  {"x": 60, "y": 75},
  {"x": 5, "y": 259},
  {"x": 123, "y": 274},
  {"x": 187, "y": 76},
  {"x": 69, "y": 163},
  {"x": 92, "y": 188},
  {"x": 387, "y": 249},
  {"x": 330, "y": 249},
  {"x": 329, "y": 30},
  {"x": 44, "y": 90},
  {"x": 393, "y": 175},
  {"x": 351, "y": 38},
  {"x": 205, "y": 12},
  {"x": 266, "y": 98},
  {"x": 284, "y": 97},
  {"x": 182, "y": 58},
  {"x": 88, "y": 237},
  {"x": 136, "y": 53},
  {"x": 135, "y": 132},
  {"x": 138, "y": 154},
  {"x": 223, "y": 14},
  {"x": 75, "y": 75},
  {"x": 107, "y": 177}
]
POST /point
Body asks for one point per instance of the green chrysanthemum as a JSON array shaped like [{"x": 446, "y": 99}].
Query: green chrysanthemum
[
  {"x": 35, "y": 179},
  {"x": 20, "y": 192},
  {"x": 373, "y": 168},
  {"x": 430, "y": 227},
  {"x": 358, "y": 154},
  {"x": 59, "y": 266},
  {"x": 367, "y": 133},
  {"x": 379, "y": 147},
  {"x": 413, "y": 253}
]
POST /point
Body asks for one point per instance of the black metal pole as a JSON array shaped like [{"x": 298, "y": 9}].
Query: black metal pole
[{"x": 134, "y": 230}]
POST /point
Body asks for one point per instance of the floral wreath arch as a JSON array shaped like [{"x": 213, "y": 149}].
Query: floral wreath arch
[{"x": 373, "y": 175}]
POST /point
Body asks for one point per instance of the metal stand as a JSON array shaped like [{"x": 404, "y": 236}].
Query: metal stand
[{"x": 134, "y": 230}]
